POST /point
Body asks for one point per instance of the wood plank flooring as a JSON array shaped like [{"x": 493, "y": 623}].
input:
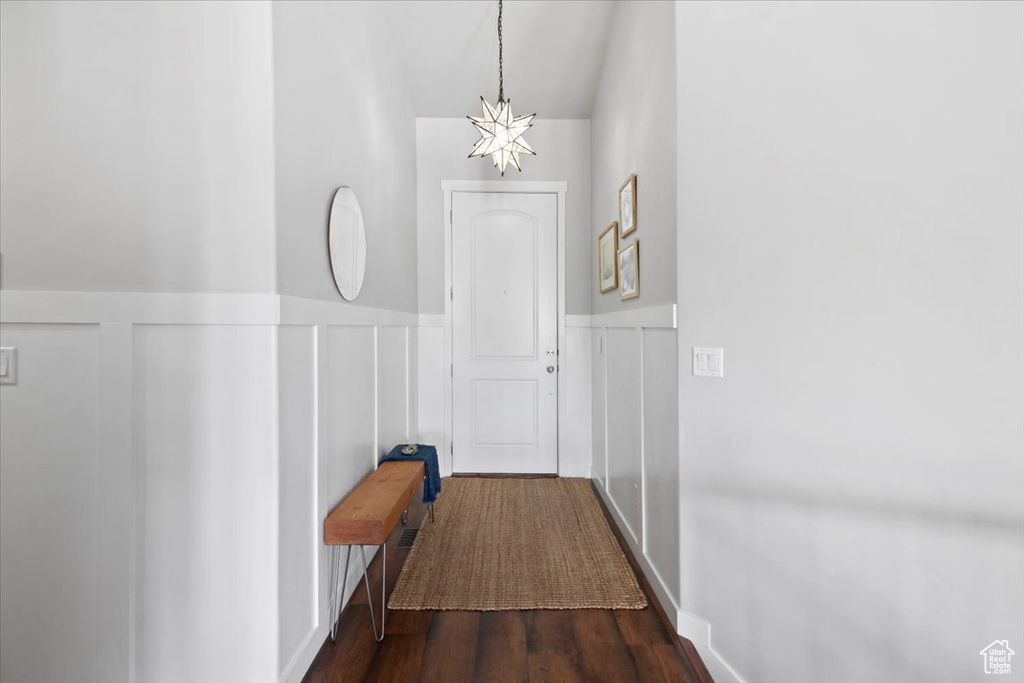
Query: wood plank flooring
[{"x": 539, "y": 646}]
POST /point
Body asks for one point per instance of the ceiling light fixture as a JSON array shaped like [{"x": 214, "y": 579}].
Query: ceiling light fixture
[{"x": 501, "y": 133}]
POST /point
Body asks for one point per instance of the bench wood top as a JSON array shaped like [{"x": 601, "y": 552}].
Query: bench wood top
[{"x": 368, "y": 514}]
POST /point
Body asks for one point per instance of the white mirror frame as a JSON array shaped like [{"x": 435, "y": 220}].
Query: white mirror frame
[{"x": 346, "y": 237}]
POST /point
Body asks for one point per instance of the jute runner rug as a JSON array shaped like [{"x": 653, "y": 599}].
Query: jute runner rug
[{"x": 512, "y": 544}]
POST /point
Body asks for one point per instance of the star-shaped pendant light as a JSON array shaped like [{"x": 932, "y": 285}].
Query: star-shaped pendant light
[{"x": 501, "y": 133}]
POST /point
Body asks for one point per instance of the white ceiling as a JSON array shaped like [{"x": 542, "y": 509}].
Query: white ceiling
[{"x": 554, "y": 52}]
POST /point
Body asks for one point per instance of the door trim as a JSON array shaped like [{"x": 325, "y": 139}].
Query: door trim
[{"x": 448, "y": 187}]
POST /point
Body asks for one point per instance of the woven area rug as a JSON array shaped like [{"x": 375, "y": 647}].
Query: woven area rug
[{"x": 516, "y": 544}]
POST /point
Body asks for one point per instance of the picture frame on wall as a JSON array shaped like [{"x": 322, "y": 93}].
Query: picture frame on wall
[
  {"x": 629, "y": 271},
  {"x": 607, "y": 258},
  {"x": 627, "y": 206}
]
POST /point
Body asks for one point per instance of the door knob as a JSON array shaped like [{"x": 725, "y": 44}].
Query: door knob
[{"x": 551, "y": 368}]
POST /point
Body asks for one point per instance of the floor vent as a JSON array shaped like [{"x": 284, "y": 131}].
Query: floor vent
[{"x": 407, "y": 538}]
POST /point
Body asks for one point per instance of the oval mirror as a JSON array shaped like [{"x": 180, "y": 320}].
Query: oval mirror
[{"x": 347, "y": 239}]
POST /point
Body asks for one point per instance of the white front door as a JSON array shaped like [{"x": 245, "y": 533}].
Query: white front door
[{"x": 504, "y": 333}]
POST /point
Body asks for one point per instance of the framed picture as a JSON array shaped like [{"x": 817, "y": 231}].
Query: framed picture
[
  {"x": 629, "y": 271},
  {"x": 627, "y": 206},
  {"x": 607, "y": 255}
]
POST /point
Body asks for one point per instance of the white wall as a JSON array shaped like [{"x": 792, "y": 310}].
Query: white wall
[
  {"x": 634, "y": 393},
  {"x": 850, "y": 213},
  {"x": 633, "y": 131},
  {"x": 137, "y": 147},
  {"x": 136, "y": 156},
  {"x": 563, "y": 154},
  {"x": 179, "y": 452},
  {"x": 343, "y": 116}
]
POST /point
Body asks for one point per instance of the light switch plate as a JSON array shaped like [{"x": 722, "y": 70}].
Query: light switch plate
[
  {"x": 8, "y": 365},
  {"x": 708, "y": 362}
]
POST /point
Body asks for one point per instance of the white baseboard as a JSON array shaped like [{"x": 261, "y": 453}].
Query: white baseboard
[
  {"x": 583, "y": 471},
  {"x": 698, "y": 632},
  {"x": 661, "y": 591},
  {"x": 693, "y": 628},
  {"x": 297, "y": 668}
]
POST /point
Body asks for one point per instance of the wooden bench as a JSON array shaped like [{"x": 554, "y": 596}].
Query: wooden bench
[{"x": 366, "y": 517}]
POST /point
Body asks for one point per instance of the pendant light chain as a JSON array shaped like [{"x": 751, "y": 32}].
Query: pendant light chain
[
  {"x": 501, "y": 132},
  {"x": 501, "y": 76}
]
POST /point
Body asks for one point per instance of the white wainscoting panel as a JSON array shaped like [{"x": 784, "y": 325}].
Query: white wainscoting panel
[
  {"x": 293, "y": 310},
  {"x": 348, "y": 415},
  {"x": 412, "y": 380},
  {"x": 661, "y": 457},
  {"x": 206, "y": 441},
  {"x": 393, "y": 388},
  {"x": 299, "y": 536},
  {"x": 599, "y": 414},
  {"x": 348, "y": 432},
  {"x": 49, "y": 493},
  {"x": 140, "y": 308},
  {"x": 624, "y": 428},
  {"x": 166, "y": 463},
  {"x": 635, "y": 437},
  {"x": 115, "y": 510},
  {"x": 575, "y": 445},
  {"x": 430, "y": 396},
  {"x": 364, "y": 383},
  {"x": 661, "y": 315}
]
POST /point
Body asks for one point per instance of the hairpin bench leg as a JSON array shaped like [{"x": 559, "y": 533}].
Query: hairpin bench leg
[
  {"x": 335, "y": 602},
  {"x": 383, "y": 590}
]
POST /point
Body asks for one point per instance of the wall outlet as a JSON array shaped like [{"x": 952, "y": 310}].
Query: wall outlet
[{"x": 708, "y": 362}]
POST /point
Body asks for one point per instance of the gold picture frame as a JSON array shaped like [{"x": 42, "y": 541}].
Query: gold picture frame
[
  {"x": 629, "y": 271},
  {"x": 627, "y": 206},
  {"x": 608, "y": 258}
]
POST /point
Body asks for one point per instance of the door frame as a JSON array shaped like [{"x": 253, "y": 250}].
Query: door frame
[{"x": 448, "y": 187}]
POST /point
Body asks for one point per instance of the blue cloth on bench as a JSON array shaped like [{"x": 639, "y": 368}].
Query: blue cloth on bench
[{"x": 427, "y": 455}]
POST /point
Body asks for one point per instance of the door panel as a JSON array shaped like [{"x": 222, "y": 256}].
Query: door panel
[
  {"x": 505, "y": 412},
  {"x": 504, "y": 287},
  {"x": 504, "y": 333}
]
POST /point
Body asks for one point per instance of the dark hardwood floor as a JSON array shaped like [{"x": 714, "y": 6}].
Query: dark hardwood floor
[{"x": 560, "y": 646}]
